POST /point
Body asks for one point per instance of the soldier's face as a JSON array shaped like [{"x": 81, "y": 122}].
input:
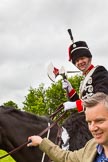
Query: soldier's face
[{"x": 83, "y": 63}]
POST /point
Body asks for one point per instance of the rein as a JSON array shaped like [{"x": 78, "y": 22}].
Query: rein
[
  {"x": 41, "y": 133},
  {"x": 48, "y": 133}
]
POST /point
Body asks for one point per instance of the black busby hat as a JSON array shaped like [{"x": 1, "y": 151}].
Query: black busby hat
[{"x": 77, "y": 49}]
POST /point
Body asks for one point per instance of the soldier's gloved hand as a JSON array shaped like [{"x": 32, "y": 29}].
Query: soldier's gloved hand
[
  {"x": 67, "y": 85},
  {"x": 69, "y": 105}
]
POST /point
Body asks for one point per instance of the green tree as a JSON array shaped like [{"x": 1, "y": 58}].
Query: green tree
[
  {"x": 35, "y": 100},
  {"x": 11, "y": 104},
  {"x": 45, "y": 101},
  {"x": 75, "y": 81},
  {"x": 55, "y": 95}
]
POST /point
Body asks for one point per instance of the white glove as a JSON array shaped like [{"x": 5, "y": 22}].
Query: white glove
[
  {"x": 66, "y": 85},
  {"x": 69, "y": 105}
]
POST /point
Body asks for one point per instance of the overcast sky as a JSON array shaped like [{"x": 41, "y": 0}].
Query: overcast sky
[{"x": 33, "y": 33}]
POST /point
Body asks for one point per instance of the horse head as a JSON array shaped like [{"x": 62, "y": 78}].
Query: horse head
[{"x": 16, "y": 126}]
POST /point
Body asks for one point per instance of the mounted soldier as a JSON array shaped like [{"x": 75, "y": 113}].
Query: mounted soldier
[{"x": 95, "y": 77}]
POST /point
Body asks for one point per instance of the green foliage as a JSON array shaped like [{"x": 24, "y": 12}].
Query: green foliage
[
  {"x": 45, "y": 101},
  {"x": 11, "y": 104},
  {"x": 75, "y": 81},
  {"x": 35, "y": 101},
  {"x": 54, "y": 97}
]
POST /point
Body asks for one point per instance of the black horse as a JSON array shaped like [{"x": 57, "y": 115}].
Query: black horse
[{"x": 16, "y": 126}]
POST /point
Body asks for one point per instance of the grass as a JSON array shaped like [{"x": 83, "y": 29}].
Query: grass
[{"x": 6, "y": 159}]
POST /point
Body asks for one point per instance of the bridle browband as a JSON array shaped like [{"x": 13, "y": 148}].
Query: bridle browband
[{"x": 41, "y": 133}]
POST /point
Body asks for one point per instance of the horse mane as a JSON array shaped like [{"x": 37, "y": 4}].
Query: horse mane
[{"x": 24, "y": 116}]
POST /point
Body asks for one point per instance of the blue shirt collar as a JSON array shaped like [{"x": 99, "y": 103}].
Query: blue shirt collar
[
  {"x": 99, "y": 149},
  {"x": 101, "y": 156}
]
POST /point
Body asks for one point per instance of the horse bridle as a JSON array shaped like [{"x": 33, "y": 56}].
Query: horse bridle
[{"x": 41, "y": 133}]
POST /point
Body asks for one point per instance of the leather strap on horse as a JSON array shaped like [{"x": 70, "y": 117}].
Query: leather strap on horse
[
  {"x": 41, "y": 133},
  {"x": 60, "y": 107}
]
